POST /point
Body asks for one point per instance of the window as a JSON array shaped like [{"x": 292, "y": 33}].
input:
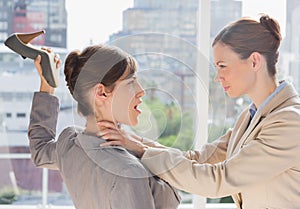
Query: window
[
  {"x": 19, "y": 176},
  {"x": 21, "y": 115}
]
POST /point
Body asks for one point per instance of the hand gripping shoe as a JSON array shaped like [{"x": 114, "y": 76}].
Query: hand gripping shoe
[{"x": 19, "y": 43}]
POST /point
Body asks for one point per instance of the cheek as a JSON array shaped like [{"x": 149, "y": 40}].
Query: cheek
[
  {"x": 122, "y": 101},
  {"x": 243, "y": 80},
  {"x": 122, "y": 110},
  {"x": 130, "y": 89},
  {"x": 239, "y": 74}
]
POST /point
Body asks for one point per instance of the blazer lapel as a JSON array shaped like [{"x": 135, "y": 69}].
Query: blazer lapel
[
  {"x": 234, "y": 145},
  {"x": 258, "y": 117},
  {"x": 285, "y": 94}
]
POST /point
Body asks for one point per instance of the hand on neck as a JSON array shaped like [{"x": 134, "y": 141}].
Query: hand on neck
[{"x": 91, "y": 124}]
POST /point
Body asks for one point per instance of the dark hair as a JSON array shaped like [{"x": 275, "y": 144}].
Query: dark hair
[
  {"x": 246, "y": 36},
  {"x": 95, "y": 64}
]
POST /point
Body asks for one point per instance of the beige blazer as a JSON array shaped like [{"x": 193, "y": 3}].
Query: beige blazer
[{"x": 259, "y": 164}]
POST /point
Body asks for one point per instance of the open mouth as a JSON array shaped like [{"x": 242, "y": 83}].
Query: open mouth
[{"x": 136, "y": 108}]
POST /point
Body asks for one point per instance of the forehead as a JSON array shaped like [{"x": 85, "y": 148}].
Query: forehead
[
  {"x": 129, "y": 73},
  {"x": 130, "y": 70},
  {"x": 223, "y": 52}
]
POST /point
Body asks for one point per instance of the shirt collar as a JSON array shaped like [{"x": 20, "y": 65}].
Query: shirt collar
[{"x": 253, "y": 109}]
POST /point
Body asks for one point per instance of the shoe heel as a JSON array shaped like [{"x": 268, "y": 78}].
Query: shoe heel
[
  {"x": 27, "y": 37},
  {"x": 19, "y": 43}
]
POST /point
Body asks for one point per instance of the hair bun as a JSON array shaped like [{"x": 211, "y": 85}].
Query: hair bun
[
  {"x": 271, "y": 25},
  {"x": 72, "y": 70}
]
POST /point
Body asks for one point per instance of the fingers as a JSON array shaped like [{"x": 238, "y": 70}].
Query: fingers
[
  {"x": 57, "y": 61},
  {"x": 38, "y": 59},
  {"x": 107, "y": 125},
  {"x": 49, "y": 50},
  {"x": 117, "y": 137},
  {"x": 112, "y": 139},
  {"x": 57, "y": 57},
  {"x": 44, "y": 86},
  {"x": 37, "y": 64},
  {"x": 112, "y": 136},
  {"x": 110, "y": 143}
]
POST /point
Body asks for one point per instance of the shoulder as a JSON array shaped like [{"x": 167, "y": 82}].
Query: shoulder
[
  {"x": 287, "y": 101},
  {"x": 283, "y": 108},
  {"x": 71, "y": 131},
  {"x": 281, "y": 127},
  {"x": 134, "y": 169},
  {"x": 123, "y": 164},
  {"x": 67, "y": 137},
  {"x": 68, "y": 133},
  {"x": 286, "y": 112}
]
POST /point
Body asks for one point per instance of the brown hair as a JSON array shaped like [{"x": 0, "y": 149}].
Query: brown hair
[
  {"x": 246, "y": 36},
  {"x": 95, "y": 64}
]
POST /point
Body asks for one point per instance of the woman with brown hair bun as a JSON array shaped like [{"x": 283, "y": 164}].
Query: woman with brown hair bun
[{"x": 103, "y": 81}]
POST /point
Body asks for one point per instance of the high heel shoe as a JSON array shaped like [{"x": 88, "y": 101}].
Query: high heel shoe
[{"x": 19, "y": 43}]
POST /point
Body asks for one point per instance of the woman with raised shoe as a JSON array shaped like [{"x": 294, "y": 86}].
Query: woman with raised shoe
[{"x": 102, "y": 79}]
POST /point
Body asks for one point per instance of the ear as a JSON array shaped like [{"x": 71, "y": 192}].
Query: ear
[
  {"x": 256, "y": 60},
  {"x": 100, "y": 92}
]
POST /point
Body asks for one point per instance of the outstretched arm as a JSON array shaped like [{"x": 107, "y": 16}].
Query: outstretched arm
[{"x": 116, "y": 136}]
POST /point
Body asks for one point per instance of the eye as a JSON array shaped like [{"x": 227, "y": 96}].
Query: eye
[
  {"x": 130, "y": 82},
  {"x": 221, "y": 66}
]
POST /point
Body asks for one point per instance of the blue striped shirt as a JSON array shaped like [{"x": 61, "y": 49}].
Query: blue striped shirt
[{"x": 253, "y": 109}]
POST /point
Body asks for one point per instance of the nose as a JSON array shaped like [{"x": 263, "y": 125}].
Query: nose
[
  {"x": 218, "y": 78},
  {"x": 140, "y": 91}
]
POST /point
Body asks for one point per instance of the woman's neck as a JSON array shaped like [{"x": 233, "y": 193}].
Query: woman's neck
[
  {"x": 91, "y": 125},
  {"x": 263, "y": 90}
]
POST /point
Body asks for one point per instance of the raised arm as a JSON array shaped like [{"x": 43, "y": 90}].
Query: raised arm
[
  {"x": 43, "y": 120},
  {"x": 42, "y": 130}
]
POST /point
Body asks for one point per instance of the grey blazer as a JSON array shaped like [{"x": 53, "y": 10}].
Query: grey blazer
[
  {"x": 96, "y": 177},
  {"x": 259, "y": 164}
]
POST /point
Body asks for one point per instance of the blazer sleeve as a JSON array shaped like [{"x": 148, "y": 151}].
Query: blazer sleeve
[
  {"x": 211, "y": 152},
  {"x": 273, "y": 150},
  {"x": 42, "y": 130}
]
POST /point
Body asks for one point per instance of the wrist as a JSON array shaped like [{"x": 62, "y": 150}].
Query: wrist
[
  {"x": 47, "y": 89},
  {"x": 142, "y": 151}
]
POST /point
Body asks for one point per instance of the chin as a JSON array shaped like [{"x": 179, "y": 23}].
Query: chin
[
  {"x": 233, "y": 95},
  {"x": 133, "y": 123}
]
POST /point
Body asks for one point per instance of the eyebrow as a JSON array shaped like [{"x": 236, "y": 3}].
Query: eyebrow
[
  {"x": 219, "y": 62},
  {"x": 132, "y": 75}
]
